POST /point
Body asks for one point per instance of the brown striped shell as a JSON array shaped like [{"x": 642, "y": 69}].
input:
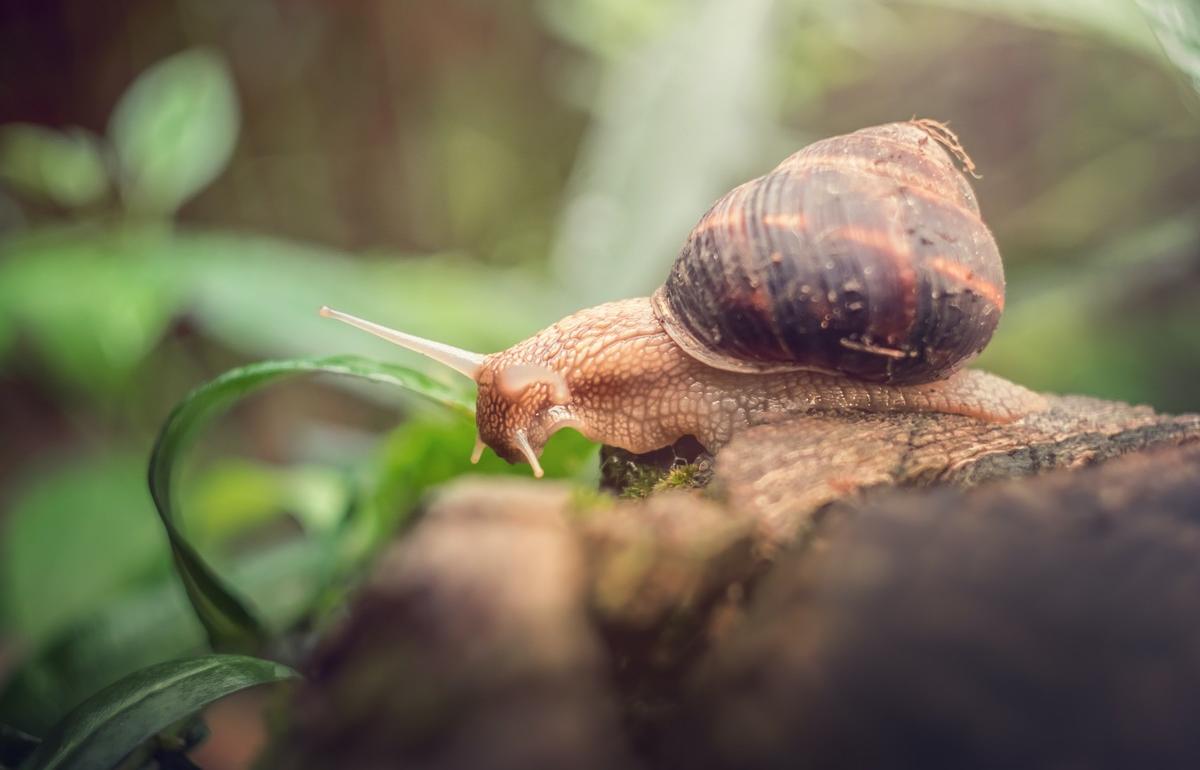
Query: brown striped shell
[{"x": 862, "y": 255}]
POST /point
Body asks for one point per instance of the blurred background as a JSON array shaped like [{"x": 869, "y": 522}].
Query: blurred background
[{"x": 183, "y": 184}]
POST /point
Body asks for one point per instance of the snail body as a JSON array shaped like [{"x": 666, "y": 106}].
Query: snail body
[{"x": 856, "y": 275}]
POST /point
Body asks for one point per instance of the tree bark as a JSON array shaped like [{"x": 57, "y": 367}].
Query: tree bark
[{"x": 847, "y": 591}]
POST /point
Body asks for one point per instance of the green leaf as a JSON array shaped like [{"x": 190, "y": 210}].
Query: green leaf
[
  {"x": 258, "y": 295},
  {"x": 143, "y": 626},
  {"x": 154, "y": 623},
  {"x": 75, "y": 539},
  {"x": 116, "y": 720},
  {"x": 93, "y": 302},
  {"x": 174, "y": 130},
  {"x": 1176, "y": 24},
  {"x": 230, "y": 624},
  {"x": 429, "y": 449},
  {"x": 64, "y": 167},
  {"x": 235, "y": 495},
  {"x": 253, "y": 293}
]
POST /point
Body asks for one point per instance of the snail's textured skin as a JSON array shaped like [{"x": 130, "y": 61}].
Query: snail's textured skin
[
  {"x": 862, "y": 255},
  {"x": 633, "y": 387}
]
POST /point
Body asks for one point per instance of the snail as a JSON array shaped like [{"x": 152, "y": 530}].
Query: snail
[{"x": 856, "y": 275}]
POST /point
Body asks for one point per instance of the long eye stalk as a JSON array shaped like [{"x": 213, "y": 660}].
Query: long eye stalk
[
  {"x": 470, "y": 364},
  {"x": 462, "y": 361}
]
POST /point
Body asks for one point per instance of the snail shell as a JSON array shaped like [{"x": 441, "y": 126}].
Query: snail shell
[{"x": 862, "y": 255}]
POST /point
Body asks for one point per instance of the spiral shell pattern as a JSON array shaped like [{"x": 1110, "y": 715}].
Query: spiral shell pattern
[{"x": 863, "y": 255}]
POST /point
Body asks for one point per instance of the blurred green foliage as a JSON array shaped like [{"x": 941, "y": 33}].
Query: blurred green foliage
[
  {"x": 63, "y": 167},
  {"x": 182, "y": 192},
  {"x": 115, "y": 549},
  {"x": 173, "y": 131}
]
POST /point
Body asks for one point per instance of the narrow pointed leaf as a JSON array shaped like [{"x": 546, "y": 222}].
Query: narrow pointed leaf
[
  {"x": 229, "y": 621},
  {"x": 115, "y": 721}
]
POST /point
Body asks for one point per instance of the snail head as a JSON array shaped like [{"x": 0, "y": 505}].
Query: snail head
[{"x": 519, "y": 406}]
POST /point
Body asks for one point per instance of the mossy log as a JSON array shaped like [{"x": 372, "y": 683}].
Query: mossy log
[{"x": 848, "y": 590}]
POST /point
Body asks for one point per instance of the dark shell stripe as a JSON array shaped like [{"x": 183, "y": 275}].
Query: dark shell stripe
[
  {"x": 838, "y": 263},
  {"x": 941, "y": 229}
]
